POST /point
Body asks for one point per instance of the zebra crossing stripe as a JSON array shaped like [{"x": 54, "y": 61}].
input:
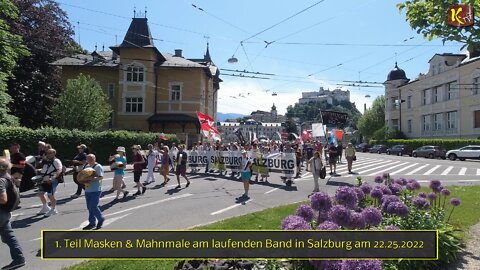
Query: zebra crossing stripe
[
  {"x": 447, "y": 170},
  {"x": 417, "y": 169},
  {"x": 392, "y": 167},
  {"x": 462, "y": 171},
  {"x": 431, "y": 170},
  {"x": 478, "y": 171},
  {"x": 401, "y": 170},
  {"x": 387, "y": 163}
]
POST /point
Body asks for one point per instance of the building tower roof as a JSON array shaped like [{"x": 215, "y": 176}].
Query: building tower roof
[
  {"x": 396, "y": 74},
  {"x": 207, "y": 57},
  {"x": 274, "y": 108},
  {"x": 138, "y": 34}
]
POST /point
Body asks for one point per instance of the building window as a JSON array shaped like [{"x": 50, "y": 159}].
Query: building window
[
  {"x": 175, "y": 92},
  {"x": 111, "y": 90},
  {"x": 476, "y": 119},
  {"x": 426, "y": 96},
  {"x": 437, "y": 121},
  {"x": 135, "y": 74},
  {"x": 409, "y": 102},
  {"x": 476, "y": 86},
  {"x": 133, "y": 104},
  {"x": 436, "y": 95},
  {"x": 451, "y": 91},
  {"x": 426, "y": 122},
  {"x": 409, "y": 126},
  {"x": 452, "y": 120}
]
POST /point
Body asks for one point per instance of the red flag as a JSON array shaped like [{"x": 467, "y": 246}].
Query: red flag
[
  {"x": 207, "y": 128},
  {"x": 162, "y": 137},
  {"x": 306, "y": 135},
  {"x": 339, "y": 134}
]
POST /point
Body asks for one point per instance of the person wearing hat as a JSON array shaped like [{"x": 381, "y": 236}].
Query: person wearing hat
[
  {"x": 350, "y": 156},
  {"x": 78, "y": 161},
  {"x": 118, "y": 166},
  {"x": 138, "y": 162},
  {"x": 332, "y": 158},
  {"x": 245, "y": 174}
]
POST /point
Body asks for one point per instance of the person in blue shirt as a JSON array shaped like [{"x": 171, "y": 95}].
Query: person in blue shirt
[
  {"x": 93, "y": 191},
  {"x": 118, "y": 166}
]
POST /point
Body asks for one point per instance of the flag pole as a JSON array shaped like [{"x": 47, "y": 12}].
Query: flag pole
[{"x": 324, "y": 127}]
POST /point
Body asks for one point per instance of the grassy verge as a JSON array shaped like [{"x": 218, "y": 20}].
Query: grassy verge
[{"x": 463, "y": 217}]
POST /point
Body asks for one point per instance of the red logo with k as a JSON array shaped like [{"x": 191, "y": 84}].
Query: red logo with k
[{"x": 460, "y": 15}]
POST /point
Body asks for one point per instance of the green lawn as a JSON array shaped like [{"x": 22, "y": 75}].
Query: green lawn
[{"x": 463, "y": 217}]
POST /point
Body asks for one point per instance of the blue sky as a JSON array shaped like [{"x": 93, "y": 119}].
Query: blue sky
[{"x": 324, "y": 45}]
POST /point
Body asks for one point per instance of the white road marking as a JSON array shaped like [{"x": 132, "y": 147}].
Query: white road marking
[
  {"x": 272, "y": 190},
  {"x": 377, "y": 166},
  {"x": 462, "y": 171},
  {"x": 228, "y": 208},
  {"x": 389, "y": 168},
  {"x": 417, "y": 169},
  {"x": 403, "y": 169},
  {"x": 447, "y": 170},
  {"x": 432, "y": 170},
  {"x": 478, "y": 171}
]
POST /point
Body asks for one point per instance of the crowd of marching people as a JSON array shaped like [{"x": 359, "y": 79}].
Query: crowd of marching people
[{"x": 44, "y": 171}]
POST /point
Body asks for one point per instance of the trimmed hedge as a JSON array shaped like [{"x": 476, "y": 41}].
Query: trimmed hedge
[
  {"x": 415, "y": 143},
  {"x": 102, "y": 144}
]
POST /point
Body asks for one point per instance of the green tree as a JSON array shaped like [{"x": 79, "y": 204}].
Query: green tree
[
  {"x": 11, "y": 48},
  {"x": 46, "y": 32},
  {"x": 373, "y": 119},
  {"x": 81, "y": 105},
  {"x": 290, "y": 126},
  {"x": 429, "y": 17}
]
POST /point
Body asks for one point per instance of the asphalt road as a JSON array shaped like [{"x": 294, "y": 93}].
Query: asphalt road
[{"x": 210, "y": 198}]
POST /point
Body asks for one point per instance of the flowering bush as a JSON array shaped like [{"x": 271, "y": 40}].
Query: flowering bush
[{"x": 389, "y": 205}]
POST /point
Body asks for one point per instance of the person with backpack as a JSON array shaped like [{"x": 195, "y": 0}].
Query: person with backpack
[
  {"x": 8, "y": 199},
  {"x": 181, "y": 169},
  {"x": 52, "y": 175},
  {"x": 138, "y": 162},
  {"x": 93, "y": 191}
]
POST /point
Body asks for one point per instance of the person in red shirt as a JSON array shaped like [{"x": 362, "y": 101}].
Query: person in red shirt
[{"x": 137, "y": 169}]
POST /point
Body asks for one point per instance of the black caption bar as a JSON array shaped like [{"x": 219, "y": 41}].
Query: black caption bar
[{"x": 240, "y": 244}]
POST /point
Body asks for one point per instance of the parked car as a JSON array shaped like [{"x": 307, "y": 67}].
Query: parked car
[
  {"x": 469, "y": 151},
  {"x": 400, "y": 150},
  {"x": 363, "y": 147},
  {"x": 430, "y": 151},
  {"x": 378, "y": 148}
]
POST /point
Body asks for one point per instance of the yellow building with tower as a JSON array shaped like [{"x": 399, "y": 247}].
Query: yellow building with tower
[{"x": 150, "y": 90}]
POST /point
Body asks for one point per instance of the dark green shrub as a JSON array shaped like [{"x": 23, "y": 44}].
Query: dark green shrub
[{"x": 103, "y": 143}]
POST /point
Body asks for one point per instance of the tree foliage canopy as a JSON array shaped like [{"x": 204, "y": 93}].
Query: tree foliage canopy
[
  {"x": 81, "y": 105},
  {"x": 47, "y": 33},
  {"x": 11, "y": 48},
  {"x": 429, "y": 17},
  {"x": 374, "y": 118}
]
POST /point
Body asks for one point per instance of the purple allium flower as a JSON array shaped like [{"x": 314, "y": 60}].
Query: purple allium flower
[
  {"x": 340, "y": 215},
  {"x": 385, "y": 175},
  {"x": 392, "y": 228},
  {"x": 385, "y": 190},
  {"x": 305, "y": 211},
  {"x": 332, "y": 265},
  {"x": 455, "y": 201},
  {"x": 396, "y": 188},
  {"x": 420, "y": 203},
  {"x": 376, "y": 193},
  {"x": 362, "y": 265},
  {"x": 416, "y": 184},
  {"x": 432, "y": 196},
  {"x": 357, "y": 221},
  {"x": 445, "y": 192},
  {"x": 401, "y": 181},
  {"x": 422, "y": 195},
  {"x": 328, "y": 225},
  {"x": 360, "y": 193},
  {"x": 321, "y": 201},
  {"x": 372, "y": 216},
  {"x": 322, "y": 216},
  {"x": 295, "y": 223},
  {"x": 386, "y": 200},
  {"x": 366, "y": 188},
  {"x": 346, "y": 196},
  {"x": 434, "y": 184},
  {"x": 401, "y": 209},
  {"x": 378, "y": 179},
  {"x": 410, "y": 187}
]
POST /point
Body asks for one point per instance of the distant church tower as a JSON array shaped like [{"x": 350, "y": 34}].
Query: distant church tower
[{"x": 273, "y": 113}]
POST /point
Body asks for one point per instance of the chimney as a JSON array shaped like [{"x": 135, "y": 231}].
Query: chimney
[{"x": 178, "y": 53}]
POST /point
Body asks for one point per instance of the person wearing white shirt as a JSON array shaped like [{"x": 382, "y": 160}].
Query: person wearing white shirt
[
  {"x": 51, "y": 171},
  {"x": 152, "y": 156}
]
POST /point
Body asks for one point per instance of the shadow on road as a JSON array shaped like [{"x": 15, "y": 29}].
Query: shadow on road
[
  {"x": 114, "y": 202},
  {"x": 26, "y": 222}
]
